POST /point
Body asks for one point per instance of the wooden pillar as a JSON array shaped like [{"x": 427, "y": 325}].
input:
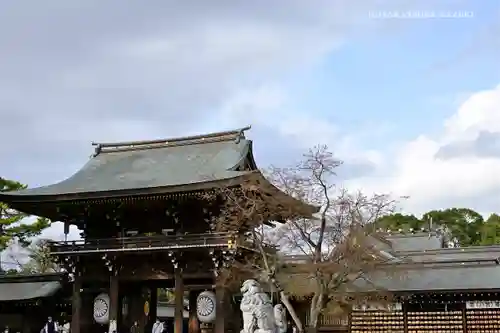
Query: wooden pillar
[
  {"x": 179, "y": 302},
  {"x": 220, "y": 309},
  {"x": 113, "y": 298},
  {"x": 136, "y": 306},
  {"x": 194, "y": 325},
  {"x": 145, "y": 323},
  {"x": 76, "y": 305},
  {"x": 154, "y": 304}
]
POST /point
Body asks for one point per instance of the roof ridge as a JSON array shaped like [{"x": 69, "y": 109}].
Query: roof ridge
[{"x": 107, "y": 147}]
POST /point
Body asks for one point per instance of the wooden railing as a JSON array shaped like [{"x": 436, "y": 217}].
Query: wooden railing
[
  {"x": 330, "y": 322},
  {"x": 143, "y": 243}
]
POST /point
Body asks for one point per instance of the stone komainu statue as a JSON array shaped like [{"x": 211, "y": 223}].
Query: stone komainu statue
[{"x": 259, "y": 316}]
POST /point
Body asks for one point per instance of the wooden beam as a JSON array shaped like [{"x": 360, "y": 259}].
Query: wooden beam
[
  {"x": 198, "y": 287},
  {"x": 149, "y": 276}
]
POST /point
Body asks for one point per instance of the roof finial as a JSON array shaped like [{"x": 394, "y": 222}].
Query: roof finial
[
  {"x": 97, "y": 149},
  {"x": 241, "y": 134}
]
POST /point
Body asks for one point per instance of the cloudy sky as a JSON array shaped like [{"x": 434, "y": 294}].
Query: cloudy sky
[{"x": 412, "y": 105}]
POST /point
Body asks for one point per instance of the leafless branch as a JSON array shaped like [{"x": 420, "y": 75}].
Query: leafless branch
[{"x": 332, "y": 249}]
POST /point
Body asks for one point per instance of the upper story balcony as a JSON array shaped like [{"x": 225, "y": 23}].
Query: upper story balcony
[{"x": 223, "y": 240}]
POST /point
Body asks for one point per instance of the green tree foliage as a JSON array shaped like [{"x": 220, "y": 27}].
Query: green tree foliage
[
  {"x": 490, "y": 231},
  {"x": 467, "y": 226},
  {"x": 11, "y": 271},
  {"x": 12, "y": 227},
  {"x": 399, "y": 221},
  {"x": 13, "y": 224},
  {"x": 464, "y": 224},
  {"x": 165, "y": 295}
]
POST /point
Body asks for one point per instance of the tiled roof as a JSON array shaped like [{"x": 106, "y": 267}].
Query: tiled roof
[
  {"x": 480, "y": 276},
  {"x": 152, "y": 164}
]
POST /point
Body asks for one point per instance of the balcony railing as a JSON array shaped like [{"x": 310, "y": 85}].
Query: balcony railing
[{"x": 143, "y": 243}]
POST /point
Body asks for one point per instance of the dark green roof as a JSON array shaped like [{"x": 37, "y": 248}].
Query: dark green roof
[
  {"x": 26, "y": 287},
  {"x": 152, "y": 166},
  {"x": 27, "y": 290},
  {"x": 438, "y": 277},
  {"x": 441, "y": 269},
  {"x": 419, "y": 241}
]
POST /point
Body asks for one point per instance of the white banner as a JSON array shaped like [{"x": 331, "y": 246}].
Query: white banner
[{"x": 101, "y": 309}]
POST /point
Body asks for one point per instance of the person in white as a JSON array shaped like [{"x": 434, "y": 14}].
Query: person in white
[
  {"x": 66, "y": 328},
  {"x": 157, "y": 326},
  {"x": 112, "y": 326}
]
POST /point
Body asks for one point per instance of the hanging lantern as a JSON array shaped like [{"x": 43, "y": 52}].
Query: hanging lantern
[
  {"x": 101, "y": 309},
  {"x": 205, "y": 306}
]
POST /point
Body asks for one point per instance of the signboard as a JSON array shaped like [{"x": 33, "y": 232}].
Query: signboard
[
  {"x": 482, "y": 305},
  {"x": 378, "y": 307}
]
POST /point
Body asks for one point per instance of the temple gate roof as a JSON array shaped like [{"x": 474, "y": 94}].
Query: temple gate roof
[
  {"x": 159, "y": 167},
  {"x": 151, "y": 166}
]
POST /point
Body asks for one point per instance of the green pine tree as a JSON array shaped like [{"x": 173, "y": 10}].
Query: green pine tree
[
  {"x": 13, "y": 226},
  {"x": 490, "y": 231}
]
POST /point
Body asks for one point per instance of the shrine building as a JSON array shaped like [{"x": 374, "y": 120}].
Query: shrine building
[
  {"x": 27, "y": 300},
  {"x": 146, "y": 223},
  {"x": 436, "y": 288}
]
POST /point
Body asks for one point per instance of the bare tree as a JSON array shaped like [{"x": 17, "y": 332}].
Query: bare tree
[
  {"x": 340, "y": 245},
  {"x": 324, "y": 253},
  {"x": 249, "y": 208}
]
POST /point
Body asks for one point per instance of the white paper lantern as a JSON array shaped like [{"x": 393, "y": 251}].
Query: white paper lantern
[
  {"x": 101, "y": 309},
  {"x": 205, "y": 306}
]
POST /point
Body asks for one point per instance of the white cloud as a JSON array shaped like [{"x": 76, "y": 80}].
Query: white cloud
[
  {"x": 415, "y": 171},
  {"x": 479, "y": 112},
  {"x": 167, "y": 69},
  {"x": 269, "y": 107},
  {"x": 464, "y": 179},
  {"x": 164, "y": 72}
]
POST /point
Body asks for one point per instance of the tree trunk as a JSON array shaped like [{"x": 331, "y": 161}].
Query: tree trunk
[
  {"x": 286, "y": 302},
  {"x": 315, "y": 311},
  {"x": 283, "y": 296}
]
